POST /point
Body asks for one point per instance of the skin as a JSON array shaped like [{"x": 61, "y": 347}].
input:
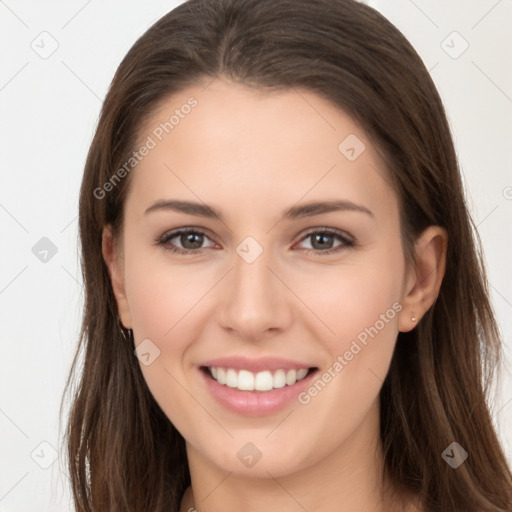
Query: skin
[{"x": 251, "y": 155}]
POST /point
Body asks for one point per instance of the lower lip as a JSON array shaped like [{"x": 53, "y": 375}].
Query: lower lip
[{"x": 255, "y": 403}]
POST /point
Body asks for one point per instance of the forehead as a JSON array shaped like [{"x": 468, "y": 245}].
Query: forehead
[{"x": 228, "y": 144}]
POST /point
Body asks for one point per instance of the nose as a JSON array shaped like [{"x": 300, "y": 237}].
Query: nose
[{"x": 255, "y": 302}]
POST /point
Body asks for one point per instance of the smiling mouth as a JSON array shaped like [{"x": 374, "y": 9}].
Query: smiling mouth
[{"x": 244, "y": 380}]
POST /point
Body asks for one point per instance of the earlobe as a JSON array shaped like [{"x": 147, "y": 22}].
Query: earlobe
[
  {"x": 113, "y": 260},
  {"x": 423, "y": 286}
]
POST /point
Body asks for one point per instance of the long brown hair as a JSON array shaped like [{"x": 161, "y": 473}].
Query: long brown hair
[{"x": 124, "y": 454}]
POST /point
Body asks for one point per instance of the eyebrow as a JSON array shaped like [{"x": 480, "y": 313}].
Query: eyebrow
[{"x": 295, "y": 212}]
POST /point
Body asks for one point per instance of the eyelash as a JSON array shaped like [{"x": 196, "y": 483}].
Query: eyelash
[{"x": 347, "y": 242}]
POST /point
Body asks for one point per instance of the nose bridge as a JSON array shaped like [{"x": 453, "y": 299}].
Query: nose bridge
[
  {"x": 254, "y": 300},
  {"x": 253, "y": 289}
]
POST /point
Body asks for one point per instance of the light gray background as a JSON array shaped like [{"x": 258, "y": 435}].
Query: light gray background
[{"x": 50, "y": 105}]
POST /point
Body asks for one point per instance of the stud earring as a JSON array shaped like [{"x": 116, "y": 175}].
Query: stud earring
[{"x": 413, "y": 319}]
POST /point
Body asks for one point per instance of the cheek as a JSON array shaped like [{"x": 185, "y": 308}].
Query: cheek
[
  {"x": 161, "y": 293},
  {"x": 346, "y": 300},
  {"x": 164, "y": 303},
  {"x": 361, "y": 305},
  {"x": 358, "y": 306}
]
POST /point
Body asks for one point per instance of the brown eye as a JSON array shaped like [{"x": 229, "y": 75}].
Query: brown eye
[
  {"x": 191, "y": 240},
  {"x": 322, "y": 241},
  {"x": 187, "y": 241}
]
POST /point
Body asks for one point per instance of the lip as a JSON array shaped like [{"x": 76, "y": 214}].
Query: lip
[
  {"x": 256, "y": 365},
  {"x": 255, "y": 403}
]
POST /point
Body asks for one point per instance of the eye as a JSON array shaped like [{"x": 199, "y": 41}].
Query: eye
[
  {"x": 322, "y": 241},
  {"x": 191, "y": 240}
]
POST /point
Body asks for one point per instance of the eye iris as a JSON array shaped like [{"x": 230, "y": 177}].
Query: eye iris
[
  {"x": 189, "y": 237},
  {"x": 322, "y": 238}
]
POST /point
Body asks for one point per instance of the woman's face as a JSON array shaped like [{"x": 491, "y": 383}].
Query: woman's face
[{"x": 275, "y": 284}]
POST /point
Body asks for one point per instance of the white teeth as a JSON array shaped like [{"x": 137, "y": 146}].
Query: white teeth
[
  {"x": 291, "y": 377},
  {"x": 231, "y": 378},
  {"x": 245, "y": 380},
  {"x": 221, "y": 375},
  {"x": 279, "y": 380},
  {"x": 263, "y": 381},
  {"x": 301, "y": 373}
]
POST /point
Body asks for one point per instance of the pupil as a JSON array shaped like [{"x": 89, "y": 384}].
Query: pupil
[
  {"x": 189, "y": 237},
  {"x": 321, "y": 237}
]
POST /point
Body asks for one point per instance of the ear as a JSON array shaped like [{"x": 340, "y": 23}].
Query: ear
[
  {"x": 113, "y": 260},
  {"x": 424, "y": 280}
]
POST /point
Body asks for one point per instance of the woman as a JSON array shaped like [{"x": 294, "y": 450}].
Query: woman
[{"x": 285, "y": 303}]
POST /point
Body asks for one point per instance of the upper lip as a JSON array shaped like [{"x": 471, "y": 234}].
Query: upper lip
[{"x": 256, "y": 365}]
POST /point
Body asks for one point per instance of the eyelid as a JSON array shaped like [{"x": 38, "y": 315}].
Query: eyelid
[{"x": 331, "y": 231}]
